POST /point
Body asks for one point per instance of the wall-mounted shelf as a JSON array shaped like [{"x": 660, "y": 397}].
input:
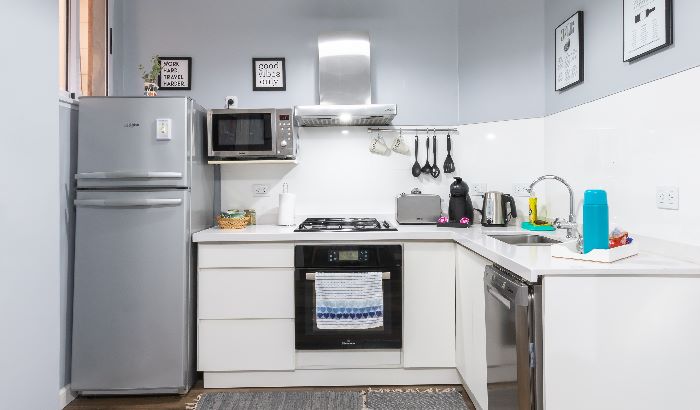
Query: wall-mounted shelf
[{"x": 255, "y": 161}]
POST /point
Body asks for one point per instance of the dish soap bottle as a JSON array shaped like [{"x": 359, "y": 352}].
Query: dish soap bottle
[{"x": 595, "y": 220}]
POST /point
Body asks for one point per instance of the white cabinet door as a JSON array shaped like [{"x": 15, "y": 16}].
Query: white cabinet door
[
  {"x": 429, "y": 304},
  {"x": 236, "y": 345},
  {"x": 471, "y": 325},
  {"x": 246, "y": 255},
  {"x": 263, "y": 293}
]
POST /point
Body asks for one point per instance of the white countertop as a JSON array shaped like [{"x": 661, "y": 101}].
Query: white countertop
[{"x": 528, "y": 262}]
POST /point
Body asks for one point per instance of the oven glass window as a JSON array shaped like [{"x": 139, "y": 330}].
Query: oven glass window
[{"x": 242, "y": 132}]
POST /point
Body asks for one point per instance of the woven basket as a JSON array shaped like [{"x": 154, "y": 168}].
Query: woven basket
[{"x": 233, "y": 223}]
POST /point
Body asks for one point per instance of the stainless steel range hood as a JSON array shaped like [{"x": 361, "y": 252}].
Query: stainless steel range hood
[{"x": 344, "y": 85}]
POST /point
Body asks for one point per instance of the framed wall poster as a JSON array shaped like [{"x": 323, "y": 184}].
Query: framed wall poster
[
  {"x": 269, "y": 74},
  {"x": 175, "y": 73},
  {"x": 568, "y": 53},
  {"x": 647, "y": 27}
]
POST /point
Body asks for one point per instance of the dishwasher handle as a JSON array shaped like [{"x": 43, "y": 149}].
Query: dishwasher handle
[{"x": 493, "y": 292}]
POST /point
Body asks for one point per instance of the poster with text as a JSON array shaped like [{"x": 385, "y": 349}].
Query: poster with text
[
  {"x": 647, "y": 27},
  {"x": 175, "y": 73},
  {"x": 569, "y": 52}
]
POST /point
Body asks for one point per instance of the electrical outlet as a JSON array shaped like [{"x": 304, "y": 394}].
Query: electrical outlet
[
  {"x": 479, "y": 189},
  {"x": 261, "y": 190},
  {"x": 231, "y": 101},
  {"x": 667, "y": 197},
  {"x": 521, "y": 190}
]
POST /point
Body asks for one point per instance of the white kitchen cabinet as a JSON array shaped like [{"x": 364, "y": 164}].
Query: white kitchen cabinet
[
  {"x": 245, "y": 309},
  {"x": 471, "y": 325},
  {"x": 429, "y": 304},
  {"x": 245, "y": 293},
  {"x": 237, "y": 345}
]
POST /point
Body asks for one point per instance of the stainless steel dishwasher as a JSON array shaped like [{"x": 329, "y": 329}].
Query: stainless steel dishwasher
[{"x": 513, "y": 341}]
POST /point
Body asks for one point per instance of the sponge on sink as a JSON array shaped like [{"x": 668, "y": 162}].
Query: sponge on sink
[{"x": 529, "y": 226}]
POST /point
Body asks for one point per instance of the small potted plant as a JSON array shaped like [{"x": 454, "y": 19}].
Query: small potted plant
[{"x": 150, "y": 77}]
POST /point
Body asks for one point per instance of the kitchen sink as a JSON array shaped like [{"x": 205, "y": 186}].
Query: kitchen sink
[{"x": 526, "y": 240}]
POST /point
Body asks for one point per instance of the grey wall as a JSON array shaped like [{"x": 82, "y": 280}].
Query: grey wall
[
  {"x": 29, "y": 207},
  {"x": 605, "y": 72},
  {"x": 501, "y": 60},
  {"x": 414, "y": 45},
  {"x": 68, "y": 155}
]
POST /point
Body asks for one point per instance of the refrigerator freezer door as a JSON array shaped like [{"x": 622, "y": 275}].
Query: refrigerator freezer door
[
  {"x": 121, "y": 144},
  {"x": 132, "y": 286}
]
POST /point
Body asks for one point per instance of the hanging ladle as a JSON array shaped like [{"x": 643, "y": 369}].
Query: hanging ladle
[
  {"x": 435, "y": 172},
  {"x": 427, "y": 168}
]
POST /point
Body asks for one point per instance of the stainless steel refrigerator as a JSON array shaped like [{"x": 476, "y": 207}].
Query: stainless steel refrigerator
[{"x": 143, "y": 189}]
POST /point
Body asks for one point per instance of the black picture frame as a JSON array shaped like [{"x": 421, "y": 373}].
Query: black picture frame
[
  {"x": 581, "y": 71},
  {"x": 669, "y": 33},
  {"x": 189, "y": 74},
  {"x": 284, "y": 74}
]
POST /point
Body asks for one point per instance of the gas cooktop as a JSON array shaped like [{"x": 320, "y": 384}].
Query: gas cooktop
[{"x": 343, "y": 225}]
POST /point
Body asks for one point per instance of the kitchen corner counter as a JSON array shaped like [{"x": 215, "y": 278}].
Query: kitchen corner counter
[{"x": 529, "y": 262}]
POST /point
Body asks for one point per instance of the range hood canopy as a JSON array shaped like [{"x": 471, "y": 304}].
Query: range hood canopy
[{"x": 344, "y": 85}]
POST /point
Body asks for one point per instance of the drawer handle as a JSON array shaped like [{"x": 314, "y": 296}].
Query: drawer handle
[{"x": 312, "y": 275}]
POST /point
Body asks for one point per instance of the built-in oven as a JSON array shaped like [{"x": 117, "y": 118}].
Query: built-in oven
[
  {"x": 350, "y": 262},
  {"x": 235, "y": 134}
]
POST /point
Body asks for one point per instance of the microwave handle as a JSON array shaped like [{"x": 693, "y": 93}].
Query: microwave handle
[
  {"x": 312, "y": 275},
  {"x": 127, "y": 174}
]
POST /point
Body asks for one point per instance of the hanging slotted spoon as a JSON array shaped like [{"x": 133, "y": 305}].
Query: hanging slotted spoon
[
  {"x": 427, "y": 168},
  {"x": 449, "y": 165}
]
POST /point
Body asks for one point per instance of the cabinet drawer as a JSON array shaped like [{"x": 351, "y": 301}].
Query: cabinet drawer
[
  {"x": 236, "y": 345},
  {"x": 264, "y": 293},
  {"x": 246, "y": 255}
]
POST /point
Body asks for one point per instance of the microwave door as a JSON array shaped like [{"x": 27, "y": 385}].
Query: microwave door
[{"x": 243, "y": 134}]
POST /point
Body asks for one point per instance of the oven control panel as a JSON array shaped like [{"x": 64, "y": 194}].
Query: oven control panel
[{"x": 348, "y": 255}]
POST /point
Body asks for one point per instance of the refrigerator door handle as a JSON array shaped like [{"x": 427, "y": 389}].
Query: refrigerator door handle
[
  {"x": 127, "y": 174},
  {"x": 123, "y": 203}
]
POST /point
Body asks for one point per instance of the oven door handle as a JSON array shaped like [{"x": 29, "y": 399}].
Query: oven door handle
[{"x": 312, "y": 275}]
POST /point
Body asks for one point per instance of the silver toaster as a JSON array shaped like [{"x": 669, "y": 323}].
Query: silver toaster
[{"x": 417, "y": 208}]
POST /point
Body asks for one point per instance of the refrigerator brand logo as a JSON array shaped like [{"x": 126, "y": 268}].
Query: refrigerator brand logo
[{"x": 132, "y": 124}]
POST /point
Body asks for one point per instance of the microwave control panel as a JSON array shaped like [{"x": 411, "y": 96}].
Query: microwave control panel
[{"x": 285, "y": 133}]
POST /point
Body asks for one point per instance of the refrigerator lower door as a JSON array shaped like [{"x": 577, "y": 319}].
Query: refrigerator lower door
[{"x": 131, "y": 330}]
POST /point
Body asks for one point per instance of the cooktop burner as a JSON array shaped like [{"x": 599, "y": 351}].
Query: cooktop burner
[{"x": 343, "y": 225}]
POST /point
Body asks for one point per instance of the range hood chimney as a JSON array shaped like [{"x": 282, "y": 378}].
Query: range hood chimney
[{"x": 344, "y": 85}]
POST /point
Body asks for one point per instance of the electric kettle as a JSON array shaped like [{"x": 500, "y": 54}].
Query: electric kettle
[{"x": 495, "y": 210}]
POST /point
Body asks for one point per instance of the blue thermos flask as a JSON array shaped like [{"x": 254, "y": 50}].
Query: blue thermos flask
[{"x": 595, "y": 220}]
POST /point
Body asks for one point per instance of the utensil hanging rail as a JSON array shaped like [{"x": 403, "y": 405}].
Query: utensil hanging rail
[{"x": 411, "y": 129}]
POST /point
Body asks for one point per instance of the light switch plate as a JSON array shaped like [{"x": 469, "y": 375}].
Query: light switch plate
[
  {"x": 164, "y": 129},
  {"x": 667, "y": 197}
]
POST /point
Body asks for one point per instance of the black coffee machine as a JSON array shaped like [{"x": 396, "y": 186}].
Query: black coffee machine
[{"x": 460, "y": 202}]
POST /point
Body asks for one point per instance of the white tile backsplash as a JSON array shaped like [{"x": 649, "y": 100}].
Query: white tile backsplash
[{"x": 337, "y": 174}]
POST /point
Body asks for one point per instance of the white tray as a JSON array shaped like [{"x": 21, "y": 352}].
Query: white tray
[{"x": 567, "y": 250}]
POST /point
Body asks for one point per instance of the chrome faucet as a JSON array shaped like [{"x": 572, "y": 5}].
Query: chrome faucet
[{"x": 570, "y": 226}]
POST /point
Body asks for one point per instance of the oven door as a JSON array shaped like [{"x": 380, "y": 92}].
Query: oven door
[
  {"x": 310, "y": 337},
  {"x": 242, "y": 133}
]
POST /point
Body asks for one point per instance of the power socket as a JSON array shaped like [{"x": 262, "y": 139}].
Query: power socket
[
  {"x": 521, "y": 190},
  {"x": 261, "y": 190},
  {"x": 231, "y": 101},
  {"x": 667, "y": 197},
  {"x": 479, "y": 189}
]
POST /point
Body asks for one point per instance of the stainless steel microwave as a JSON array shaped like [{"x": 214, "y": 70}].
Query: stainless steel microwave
[{"x": 251, "y": 133}]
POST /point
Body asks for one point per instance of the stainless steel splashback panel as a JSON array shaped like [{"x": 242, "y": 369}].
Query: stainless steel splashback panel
[{"x": 344, "y": 68}]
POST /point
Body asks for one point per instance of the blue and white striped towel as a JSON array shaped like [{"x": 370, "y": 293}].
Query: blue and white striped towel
[{"x": 349, "y": 300}]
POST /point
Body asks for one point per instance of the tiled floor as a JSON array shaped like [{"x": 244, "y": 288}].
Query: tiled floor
[{"x": 179, "y": 402}]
